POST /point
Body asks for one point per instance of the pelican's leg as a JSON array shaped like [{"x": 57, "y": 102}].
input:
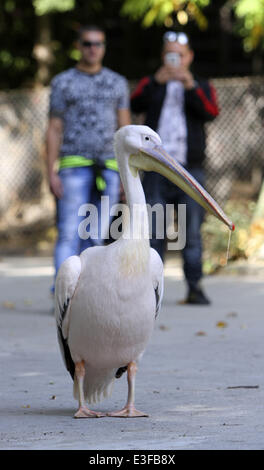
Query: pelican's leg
[
  {"x": 83, "y": 411},
  {"x": 129, "y": 411}
]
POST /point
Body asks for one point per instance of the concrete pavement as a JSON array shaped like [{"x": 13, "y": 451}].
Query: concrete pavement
[{"x": 201, "y": 379}]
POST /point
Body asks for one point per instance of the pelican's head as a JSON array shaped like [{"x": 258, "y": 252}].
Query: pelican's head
[
  {"x": 140, "y": 148},
  {"x": 129, "y": 139}
]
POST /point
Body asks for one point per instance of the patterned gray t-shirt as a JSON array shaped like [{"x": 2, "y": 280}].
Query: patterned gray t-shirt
[{"x": 88, "y": 105}]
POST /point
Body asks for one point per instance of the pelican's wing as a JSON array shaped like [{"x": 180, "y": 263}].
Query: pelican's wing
[
  {"x": 65, "y": 286},
  {"x": 157, "y": 278}
]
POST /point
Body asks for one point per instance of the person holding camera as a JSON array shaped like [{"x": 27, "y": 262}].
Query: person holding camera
[{"x": 177, "y": 104}]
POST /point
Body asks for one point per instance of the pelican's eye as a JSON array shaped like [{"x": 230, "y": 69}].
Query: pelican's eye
[{"x": 147, "y": 137}]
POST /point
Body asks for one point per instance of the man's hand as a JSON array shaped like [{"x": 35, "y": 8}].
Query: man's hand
[
  {"x": 55, "y": 184},
  {"x": 163, "y": 74},
  {"x": 181, "y": 74},
  {"x": 53, "y": 141}
]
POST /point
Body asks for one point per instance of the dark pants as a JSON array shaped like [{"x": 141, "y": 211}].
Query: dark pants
[{"x": 159, "y": 190}]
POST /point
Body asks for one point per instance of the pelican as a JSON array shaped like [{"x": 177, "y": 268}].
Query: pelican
[{"x": 107, "y": 299}]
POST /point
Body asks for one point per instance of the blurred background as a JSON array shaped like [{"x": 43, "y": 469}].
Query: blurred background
[{"x": 37, "y": 41}]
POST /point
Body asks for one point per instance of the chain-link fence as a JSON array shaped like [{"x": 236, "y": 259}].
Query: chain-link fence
[
  {"x": 24, "y": 195},
  {"x": 235, "y": 151},
  {"x": 235, "y": 148}
]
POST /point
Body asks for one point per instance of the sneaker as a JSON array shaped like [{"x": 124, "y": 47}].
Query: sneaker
[{"x": 197, "y": 297}]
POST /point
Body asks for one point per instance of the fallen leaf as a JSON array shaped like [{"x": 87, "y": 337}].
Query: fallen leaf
[
  {"x": 182, "y": 302},
  {"x": 8, "y": 304},
  {"x": 200, "y": 333},
  {"x": 221, "y": 324},
  {"x": 163, "y": 327}
]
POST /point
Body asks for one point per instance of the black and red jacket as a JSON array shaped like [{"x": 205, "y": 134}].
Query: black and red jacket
[{"x": 200, "y": 107}]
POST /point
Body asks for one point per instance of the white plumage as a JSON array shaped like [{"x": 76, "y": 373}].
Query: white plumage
[{"x": 106, "y": 299}]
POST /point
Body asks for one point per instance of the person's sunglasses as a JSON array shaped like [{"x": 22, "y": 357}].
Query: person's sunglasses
[
  {"x": 172, "y": 36},
  {"x": 92, "y": 43}
]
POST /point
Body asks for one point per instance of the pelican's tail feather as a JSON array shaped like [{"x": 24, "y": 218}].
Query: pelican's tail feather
[{"x": 98, "y": 384}]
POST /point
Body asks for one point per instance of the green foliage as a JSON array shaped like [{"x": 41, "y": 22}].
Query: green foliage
[
  {"x": 43, "y": 7},
  {"x": 10, "y": 6},
  {"x": 250, "y": 22},
  {"x": 216, "y": 234},
  {"x": 249, "y": 15},
  {"x": 162, "y": 11},
  {"x": 17, "y": 42},
  {"x": 27, "y": 19},
  {"x": 6, "y": 58}
]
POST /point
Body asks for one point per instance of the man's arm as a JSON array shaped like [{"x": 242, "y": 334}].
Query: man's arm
[
  {"x": 53, "y": 142},
  {"x": 141, "y": 96},
  {"x": 202, "y": 101},
  {"x": 123, "y": 117}
]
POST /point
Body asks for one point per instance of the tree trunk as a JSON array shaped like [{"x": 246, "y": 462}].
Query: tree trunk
[{"x": 42, "y": 50}]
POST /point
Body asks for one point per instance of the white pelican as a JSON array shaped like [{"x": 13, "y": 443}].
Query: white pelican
[{"x": 106, "y": 299}]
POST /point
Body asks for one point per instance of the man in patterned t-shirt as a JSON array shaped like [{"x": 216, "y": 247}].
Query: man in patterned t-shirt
[{"x": 87, "y": 104}]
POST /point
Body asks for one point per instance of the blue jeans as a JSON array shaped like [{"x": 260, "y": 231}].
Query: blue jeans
[
  {"x": 159, "y": 190},
  {"x": 79, "y": 187}
]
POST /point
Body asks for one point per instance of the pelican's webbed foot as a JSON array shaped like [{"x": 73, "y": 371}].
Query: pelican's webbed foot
[
  {"x": 85, "y": 412},
  {"x": 127, "y": 412}
]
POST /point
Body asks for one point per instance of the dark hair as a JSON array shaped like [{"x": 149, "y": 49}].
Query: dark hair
[{"x": 89, "y": 27}]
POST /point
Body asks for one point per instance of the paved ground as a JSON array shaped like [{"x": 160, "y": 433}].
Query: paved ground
[{"x": 201, "y": 379}]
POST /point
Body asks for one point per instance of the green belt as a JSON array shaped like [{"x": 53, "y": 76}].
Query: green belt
[{"x": 76, "y": 161}]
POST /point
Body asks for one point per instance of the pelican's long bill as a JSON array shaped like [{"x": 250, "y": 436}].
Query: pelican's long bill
[{"x": 157, "y": 159}]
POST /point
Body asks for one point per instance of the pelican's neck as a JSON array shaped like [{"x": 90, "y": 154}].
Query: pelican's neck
[
  {"x": 136, "y": 221},
  {"x": 134, "y": 248}
]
